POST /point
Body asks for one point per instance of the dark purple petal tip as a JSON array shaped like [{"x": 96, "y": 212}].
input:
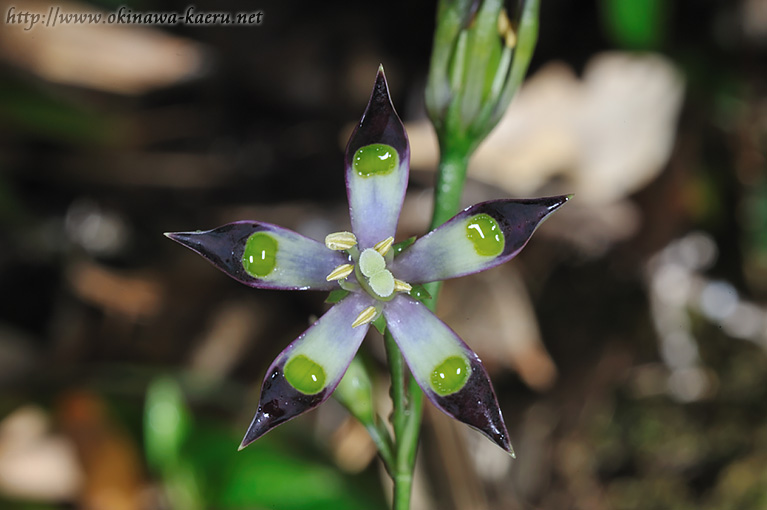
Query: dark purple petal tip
[
  {"x": 380, "y": 124},
  {"x": 222, "y": 246},
  {"x": 518, "y": 218},
  {"x": 476, "y": 405},
  {"x": 279, "y": 403}
]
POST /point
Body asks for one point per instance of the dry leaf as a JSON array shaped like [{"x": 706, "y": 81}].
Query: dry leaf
[{"x": 117, "y": 58}]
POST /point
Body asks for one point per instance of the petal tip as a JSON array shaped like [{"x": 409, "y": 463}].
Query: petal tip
[
  {"x": 551, "y": 204},
  {"x": 558, "y": 201},
  {"x": 251, "y": 435},
  {"x": 495, "y": 430},
  {"x": 184, "y": 238},
  {"x": 261, "y": 424},
  {"x": 379, "y": 122},
  {"x": 502, "y": 440},
  {"x": 380, "y": 92}
]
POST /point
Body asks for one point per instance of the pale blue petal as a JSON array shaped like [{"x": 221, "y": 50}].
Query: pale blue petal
[
  {"x": 330, "y": 344},
  {"x": 455, "y": 248},
  {"x": 375, "y": 200},
  {"x": 427, "y": 344},
  {"x": 299, "y": 262}
]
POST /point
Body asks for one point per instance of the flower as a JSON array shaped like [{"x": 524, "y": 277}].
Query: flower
[{"x": 378, "y": 282}]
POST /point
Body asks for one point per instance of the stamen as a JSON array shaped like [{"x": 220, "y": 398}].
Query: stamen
[
  {"x": 383, "y": 246},
  {"x": 366, "y": 316},
  {"x": 400, "y": 286},
  {"x": 340, "y": 241},
  {"x": 340, "y": 272}
]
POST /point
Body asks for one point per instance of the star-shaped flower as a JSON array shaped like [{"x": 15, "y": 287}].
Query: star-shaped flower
[{"x": 378, "y": 280}]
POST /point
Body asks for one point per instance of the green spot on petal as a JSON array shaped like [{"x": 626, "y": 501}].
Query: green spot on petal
[
  {"x": 450, "y": 375},
  {"x": 305, "y": 375},
  {"x": 260, "y": 255},
  {"x": 375, "y": 159},
  {"x": 485, "y": 234}
]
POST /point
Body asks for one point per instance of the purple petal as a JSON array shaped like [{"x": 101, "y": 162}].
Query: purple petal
[
  {"x": 446, "y": 369},
  {"x": 265, "y": 256},
  {"x": 478, "y": 238},
  {"x": 375, "y": 197},
  {"x": 305, "y": 374}
]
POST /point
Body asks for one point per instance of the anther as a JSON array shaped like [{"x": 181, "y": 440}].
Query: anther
[
  {"x": 506, "y": 30},
  {"x": 400, "y": 286},
  {"x": 340, "y": 272},
  {"x": 384, "y": 246},
  {"x": 340, "y": 241},
  {"x": 366, "y": 316}
]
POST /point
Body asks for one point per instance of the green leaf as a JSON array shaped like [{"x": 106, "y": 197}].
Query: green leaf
[
  {"x": 380, "y": 324},
  {"x": 281, "y": 471},
  {"x": 636, "y": 24},
  {"x": 355, "y": 392},
  {"x": 40, "y": 114},
  {"x": 403, "y": 245},
  {"x": 420, "y": 293},
  {"x": 166, "y": 423},
  {"x": 336, "y": 295}
]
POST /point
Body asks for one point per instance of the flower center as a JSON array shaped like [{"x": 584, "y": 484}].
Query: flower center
[
  {"x": 369, "y": 268},
  {"x": 373, "y": 268}
]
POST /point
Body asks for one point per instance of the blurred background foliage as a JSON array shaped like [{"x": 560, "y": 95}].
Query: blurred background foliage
[{"x": 626, "y": 344}]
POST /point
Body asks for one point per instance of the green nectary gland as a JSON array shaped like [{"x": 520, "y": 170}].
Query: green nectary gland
[
  {"x": 260, "y": 254},
  {"x": 485, "y": 234},
  {"x": 450, "y": 375},
  {"x": 304, "y": 374},
  {"x": 375, "y": 159}
]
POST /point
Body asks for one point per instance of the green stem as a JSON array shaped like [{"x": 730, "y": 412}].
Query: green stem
[
  {"x": 382, "y": 440},
  {"x": 397, "y": 392},
  {"x": 402, "y": 467},
  {"x": 447, "y": 199},
  {"x": 409, "y": 444},
  {"x": 406, "y": 421},
  {"x": 450, "y": 180}
]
